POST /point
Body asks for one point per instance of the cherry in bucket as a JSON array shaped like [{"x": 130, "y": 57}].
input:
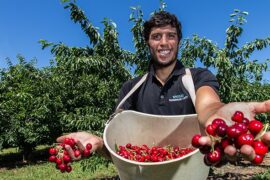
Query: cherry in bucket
[{"x": 151, "y": 154}]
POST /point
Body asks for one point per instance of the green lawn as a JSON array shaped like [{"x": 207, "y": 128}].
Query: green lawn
[
  {"x": 48, "y": 171},
  {"x": 11, "y": 169}
]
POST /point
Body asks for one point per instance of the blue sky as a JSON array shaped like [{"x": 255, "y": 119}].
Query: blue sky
[{"x": 23, "y": 23}]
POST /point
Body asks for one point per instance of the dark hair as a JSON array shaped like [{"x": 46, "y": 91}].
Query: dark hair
[{"x": 161, "y": 19}]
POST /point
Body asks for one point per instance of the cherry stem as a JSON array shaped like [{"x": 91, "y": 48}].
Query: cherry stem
[{"x": 262, "y": 132}]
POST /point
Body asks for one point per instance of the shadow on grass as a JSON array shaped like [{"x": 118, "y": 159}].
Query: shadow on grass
[{"x": 15, "y": 160}]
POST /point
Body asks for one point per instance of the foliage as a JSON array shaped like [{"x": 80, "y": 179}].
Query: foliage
[
  {"x": 27, "y": 108},
  {"x": 262, "y": 176},
  {"x": 239, "y": 77},
  {"x": 89, "y": 79},
  {"x": 142, "y": 55}
]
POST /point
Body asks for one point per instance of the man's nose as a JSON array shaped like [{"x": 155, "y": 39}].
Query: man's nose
[{"x": 164, "y": 40}]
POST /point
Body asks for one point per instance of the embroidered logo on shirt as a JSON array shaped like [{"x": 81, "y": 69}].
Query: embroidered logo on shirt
[{"x": 178, "y": 97}]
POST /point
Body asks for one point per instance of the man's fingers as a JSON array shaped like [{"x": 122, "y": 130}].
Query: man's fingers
[
  {"x": 60, "y": 139},
  {"x": 247, "y": 152},
  {"x": 231, "y": 153},
  {"x": 80, "y": 145},
  {"x": 71, "y": 153},
  {"x": 205, "y": 140},
  {"x": 266, "y": 138},
  {"x": 261, "y": 107}
]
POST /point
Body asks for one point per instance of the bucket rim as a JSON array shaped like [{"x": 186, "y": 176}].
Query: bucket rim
[
  {"x": 155, "y": 115},
  {"x": 146, "y": 163}
]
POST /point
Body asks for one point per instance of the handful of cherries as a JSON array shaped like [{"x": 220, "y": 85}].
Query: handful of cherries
[
  {"x": 242, "y": 132},
  {"x": 151, "y": 154},
  {"x": 61, "y": 158}
]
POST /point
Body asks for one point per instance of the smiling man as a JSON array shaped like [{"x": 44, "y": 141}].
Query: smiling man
[{"x": 163, "y": 93}]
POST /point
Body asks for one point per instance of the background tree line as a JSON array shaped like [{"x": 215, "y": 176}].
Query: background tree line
[{"x": 78, "y": 91}]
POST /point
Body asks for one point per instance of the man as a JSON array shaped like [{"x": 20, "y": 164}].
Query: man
[{"x": 163, "y": 92}]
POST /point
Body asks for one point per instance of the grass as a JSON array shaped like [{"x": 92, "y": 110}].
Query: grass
[
  {"x": 12, "y": 168},
  {"x": 48, "y": 171}
]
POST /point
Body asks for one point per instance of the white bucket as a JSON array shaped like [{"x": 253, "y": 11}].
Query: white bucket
[{"x": 140, "y": 128}]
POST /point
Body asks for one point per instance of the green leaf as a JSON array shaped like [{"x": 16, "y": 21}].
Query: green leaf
[
  {"x": 244, "y": 12},
  {"x": 133, "y": 8},
  {"x": 116, "y": 147}
]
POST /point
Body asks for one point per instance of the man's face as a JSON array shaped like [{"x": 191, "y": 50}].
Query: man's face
[{"x": 163, "y": 45}]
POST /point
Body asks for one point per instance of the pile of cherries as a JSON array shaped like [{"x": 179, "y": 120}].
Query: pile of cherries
[
  {"x": 242, "y": 132},
  {"x": 151, "y": 154},
  {"x": 60, "y": 156}
]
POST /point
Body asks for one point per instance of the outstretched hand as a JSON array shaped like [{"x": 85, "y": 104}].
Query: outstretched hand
[
  {"x": 250, "y": 110},
  {"x": 81, "y": 139}
]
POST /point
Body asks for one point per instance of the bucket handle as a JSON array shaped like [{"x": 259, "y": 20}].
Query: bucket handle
[
  {"x": 112, "y": 116},
  {"x": 118, "y": 110}
]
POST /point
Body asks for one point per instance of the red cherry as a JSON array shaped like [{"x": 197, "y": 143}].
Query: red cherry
[
  {"x": 238, "y": 117},
  {"x": 65, "y": 152},
  {"x": 221, "y": 130},
  {"x": 245, "y": 121},
  {"x": 260, "y": 148},
  {"x": 154, "y": 158},
  {"x": 66, "y": 159},
  {"x": 128, "y": 145},
  {"x": 70, "y": 141},
  {"x": 213, "y": 157},
  {"x": 58, "y": 161},
  {"x": 195, "y": 141},
  {"x": 86, "y": 153},
  {"x": 233, "y": 131},
  {"x": 225, "y": 142},
  {"x": 258, "y": 159},
  {"x": 243, "y": 127},
  {"x": 52, "y": 158},
  {"x": 77, "y": 153},
  {"x": 218, "y": 121},
  {"x": 62, "y": 167},
  {"x": 89, "y": 146},
  {"x": 245, "y": 139},
  {"x": 52, "y": 151},
  {"x": 68, "y": 168},
  {"x": 210, "y": 129},
  {"x": 255, "y": 126}
]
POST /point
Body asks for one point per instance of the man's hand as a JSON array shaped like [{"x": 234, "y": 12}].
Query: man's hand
[
  {"x": 250, "y": 110},
  {"x": 81, "y": 139}
]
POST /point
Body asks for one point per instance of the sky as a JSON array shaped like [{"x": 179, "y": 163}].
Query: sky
[{"x": 24, "y": 23}]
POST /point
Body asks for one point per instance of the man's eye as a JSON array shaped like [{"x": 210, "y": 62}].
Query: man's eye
[
  {"x": 172, "y": 36},
  {"x": 156, "y": 36}
]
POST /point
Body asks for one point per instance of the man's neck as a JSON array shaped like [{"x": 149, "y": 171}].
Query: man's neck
[{"x": 163, "y": 73}]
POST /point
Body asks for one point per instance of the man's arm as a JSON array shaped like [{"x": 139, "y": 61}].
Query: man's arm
[{"x": 207, "y": 103}]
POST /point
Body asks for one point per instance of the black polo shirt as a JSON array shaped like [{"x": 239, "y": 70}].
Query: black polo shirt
[{"x": 172, "y": 98}]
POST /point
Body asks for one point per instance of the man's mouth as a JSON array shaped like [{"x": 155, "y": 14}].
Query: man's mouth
[{"x": 164, "y": 52}]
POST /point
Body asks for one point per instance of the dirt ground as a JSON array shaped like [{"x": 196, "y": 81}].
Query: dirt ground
[{"x": 239, "y": 171}]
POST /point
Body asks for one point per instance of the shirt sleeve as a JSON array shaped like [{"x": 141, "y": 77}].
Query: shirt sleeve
[{"x": 203, "y": 77}]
